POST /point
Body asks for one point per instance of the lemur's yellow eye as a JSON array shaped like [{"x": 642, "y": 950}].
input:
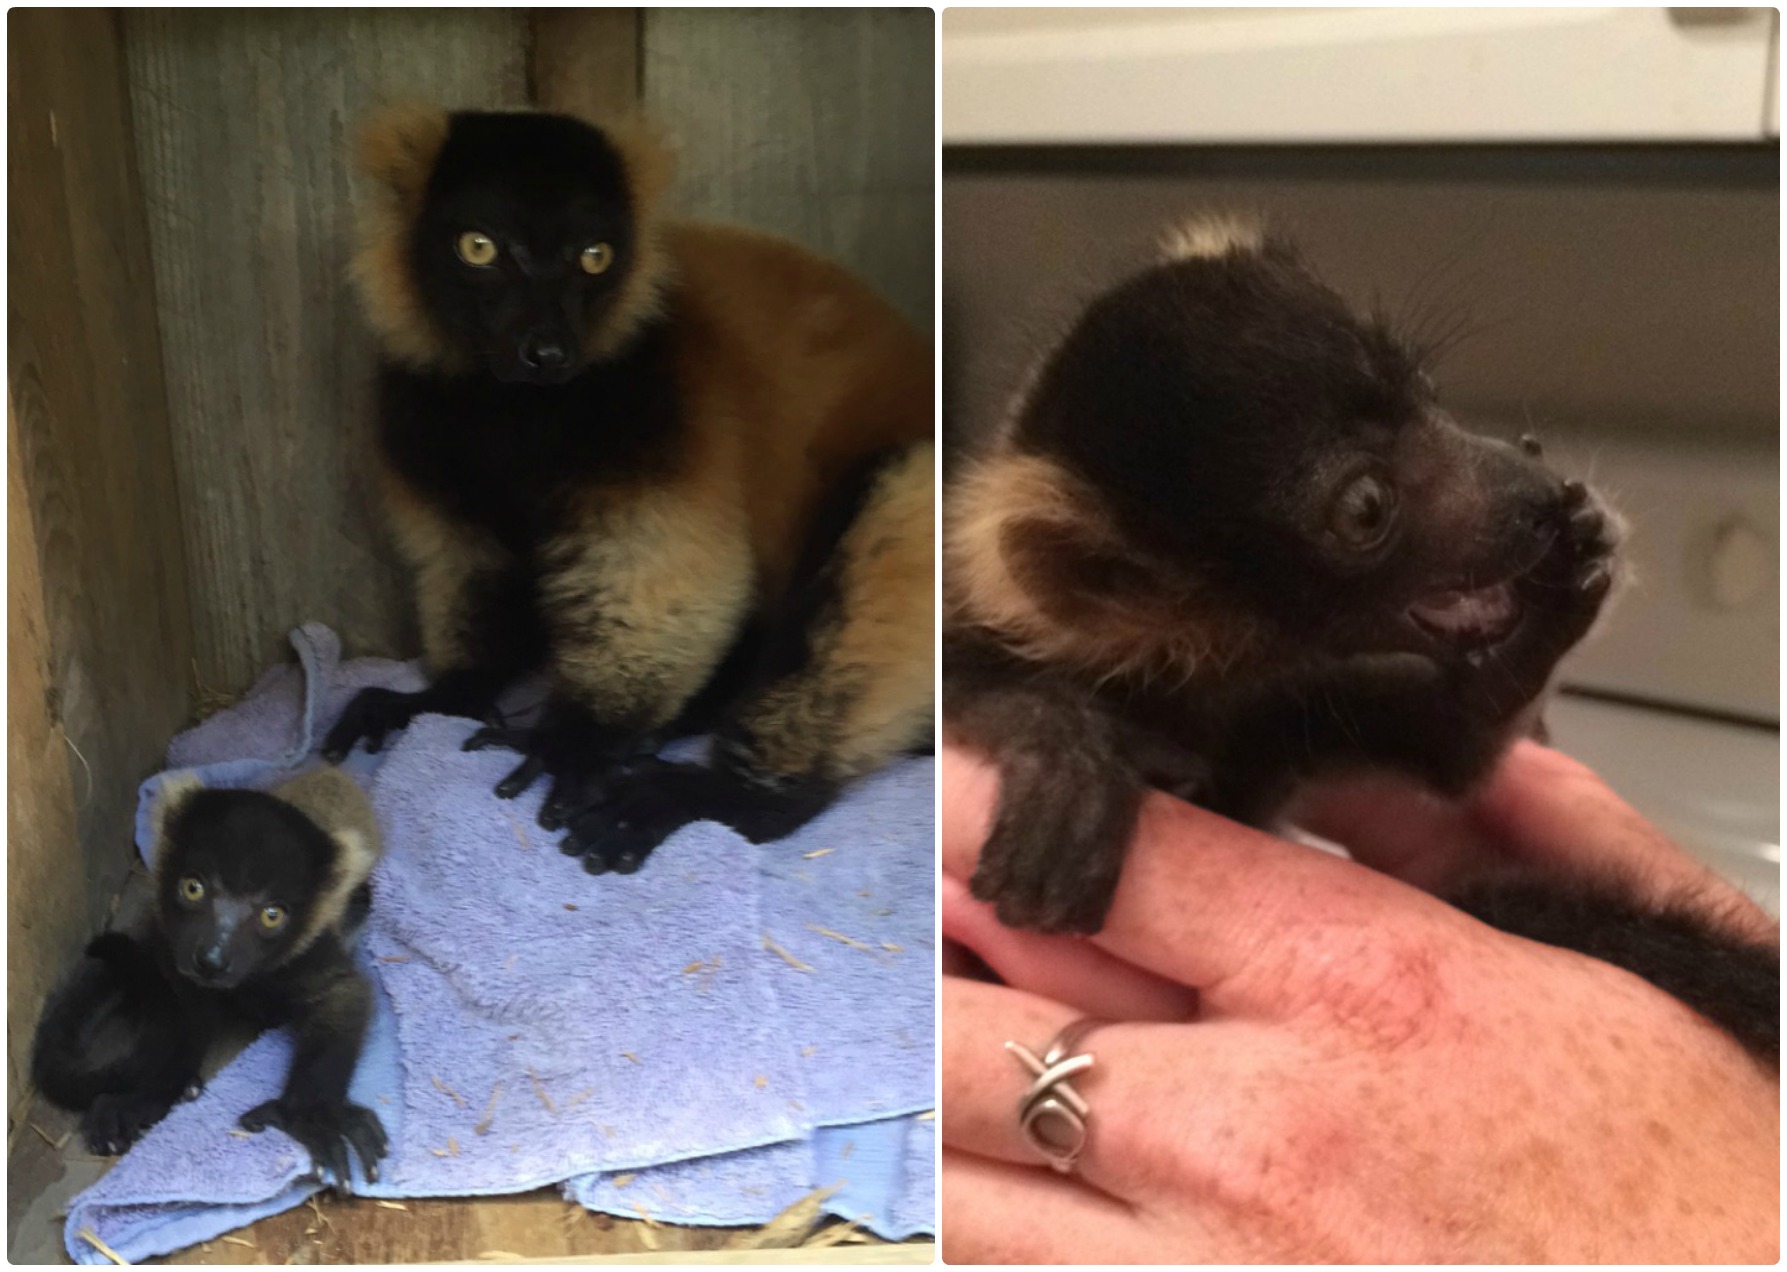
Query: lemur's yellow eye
[
  {"x": 272, "y": 917},
  {"x": 475, "y": 249},
  {"x": 192, "y": 889},
  {"x": 596, "y": 258}
]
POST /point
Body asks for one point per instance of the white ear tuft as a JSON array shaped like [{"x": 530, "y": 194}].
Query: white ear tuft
[
  {"x": 1212, "y": 235},
  {"x": 175, "y": 790},
  {"x": 357, "y": 853}
]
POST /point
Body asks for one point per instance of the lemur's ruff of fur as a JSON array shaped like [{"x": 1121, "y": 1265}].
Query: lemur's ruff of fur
[{"x": 684, "y": 469}]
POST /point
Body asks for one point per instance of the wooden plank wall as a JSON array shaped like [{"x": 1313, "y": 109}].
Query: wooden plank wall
[
  {"x": 816, "y": 124},
  {"x": 190, "y": 373},
  {"x": 46, "y": 918},
  {"x": 99, "y": 665},
  {"x": 244, "y": 124}
]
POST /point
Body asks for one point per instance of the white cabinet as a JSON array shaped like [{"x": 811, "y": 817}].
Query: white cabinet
[{"x": 1358, "y": 75}]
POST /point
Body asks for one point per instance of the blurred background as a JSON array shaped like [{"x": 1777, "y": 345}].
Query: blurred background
[{"x": 1589, "y": 198}]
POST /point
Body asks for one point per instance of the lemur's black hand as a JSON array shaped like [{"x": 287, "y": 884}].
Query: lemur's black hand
[
  {"x": 1576, "y": 574},
  {"x": 326, "y": 1129},
  {"x": 373, "y": 714},
  {"x": 570, "y": 747},
  {"x": 646, "y": 801},
  {"x": 114, "y": 1122}
]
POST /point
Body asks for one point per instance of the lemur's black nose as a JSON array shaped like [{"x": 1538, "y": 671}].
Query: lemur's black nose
[
  {"x": 543, "y": 353},
  {"x": 211, "y": 962}
]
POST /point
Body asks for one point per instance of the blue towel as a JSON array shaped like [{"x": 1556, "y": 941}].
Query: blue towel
[{"x": 707, "y": 1041}]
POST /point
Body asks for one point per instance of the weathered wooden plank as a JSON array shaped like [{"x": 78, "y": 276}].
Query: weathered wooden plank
[
  {"x": 47, "y": 917},
  {"x": 100, "y": 664},
  {"x": 585, "y": 62},
  {"x": 813, "y": 123},
  {"x": 244, "y": 124}
]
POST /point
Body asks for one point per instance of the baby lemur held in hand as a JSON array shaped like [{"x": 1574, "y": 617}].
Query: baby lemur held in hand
[{"x": 1229, "y": 540}]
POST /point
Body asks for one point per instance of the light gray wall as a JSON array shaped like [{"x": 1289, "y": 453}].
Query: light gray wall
[{"x": 1634, "y": 289}]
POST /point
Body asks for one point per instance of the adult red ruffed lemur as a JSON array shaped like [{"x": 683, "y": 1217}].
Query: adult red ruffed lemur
[
  {"x": 1228, "y": 540},
  {"x": 684, "y": 469}
]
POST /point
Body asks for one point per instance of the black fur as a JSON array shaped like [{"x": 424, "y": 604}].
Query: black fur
[
  {"x": 1236, "y": 434},
  {"x": 1734, "y": 983},
  {"x": 504, "y": 450},
  {"x": 507, "y": 458},
  {"x": 520, "y": 453},
  {"x": 649, "y": 799},
  {"x": 126, "y": 1034},
  {"x": 542, "y": 187}
]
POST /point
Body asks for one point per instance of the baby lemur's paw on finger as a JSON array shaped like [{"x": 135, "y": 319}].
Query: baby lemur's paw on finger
[{"x": 1035, "y": 879}]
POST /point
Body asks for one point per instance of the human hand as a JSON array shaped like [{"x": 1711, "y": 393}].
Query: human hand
[{"x": 1314, "y": 1061}]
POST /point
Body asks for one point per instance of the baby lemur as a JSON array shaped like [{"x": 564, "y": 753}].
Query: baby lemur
[
  {"x": 683, "y": 470},
  {"x": 259, "y": 897},
  {"x": 1228, "y": 540}
]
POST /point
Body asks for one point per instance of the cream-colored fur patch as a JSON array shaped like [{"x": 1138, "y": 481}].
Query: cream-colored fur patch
[
  {"x": 335, "y": 802},
  {"x": 446, "y": 557},
  {"x": 1212, "y": 235},
  {"x": 643, "y": 597},
  {"x": 988, "y": 511},
  {"x": 397, "y": 150},
  {"x": 176, "y": 789},
  {"x": 867, "y": 692}
]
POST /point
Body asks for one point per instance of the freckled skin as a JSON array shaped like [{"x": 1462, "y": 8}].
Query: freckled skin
[{"x": 1372, "y": 1076}]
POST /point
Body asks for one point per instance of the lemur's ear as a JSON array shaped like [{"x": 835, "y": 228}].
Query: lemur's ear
[{"x": 170, "y": 797}]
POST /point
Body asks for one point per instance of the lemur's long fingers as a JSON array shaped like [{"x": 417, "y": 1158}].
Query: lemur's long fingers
[
  {"x": 521, "y": 777},
  {"x": 498, "y": 735}
]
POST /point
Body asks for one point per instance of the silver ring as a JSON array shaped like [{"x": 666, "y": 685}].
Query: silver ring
[{"x": 1051, "y": 1114}]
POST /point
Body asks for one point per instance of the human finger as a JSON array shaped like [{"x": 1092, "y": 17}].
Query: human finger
[
  {"x": 1545, "y": 809},
  {"x": 1394, "y": 826},
  {"x": 1158, "y": 1096},
  {"x": 993, "y": 1212},
  {"x": 984, "y": 1081},
  {"x": 970, "y": 793},
  {"x": 1067, "y": 969},
  {"x": 1204, "y": 901}
]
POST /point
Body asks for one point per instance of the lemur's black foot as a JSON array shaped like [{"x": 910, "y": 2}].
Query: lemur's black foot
[
  {"x": 326, "y": 1129},
  {"x": 651, "y": 799}
]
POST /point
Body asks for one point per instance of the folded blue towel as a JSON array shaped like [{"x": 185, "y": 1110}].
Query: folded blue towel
[{"x": 708, "y": 1040}]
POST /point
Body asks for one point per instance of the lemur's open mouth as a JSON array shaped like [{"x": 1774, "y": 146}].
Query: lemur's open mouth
[{"x": 1477, "y": 617}]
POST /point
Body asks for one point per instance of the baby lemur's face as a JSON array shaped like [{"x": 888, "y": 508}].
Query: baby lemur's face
[
  {"x": 1247, "y": 429},
  {"x": 236, "y": 879},
  {"x": 525, "y": 237}
]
